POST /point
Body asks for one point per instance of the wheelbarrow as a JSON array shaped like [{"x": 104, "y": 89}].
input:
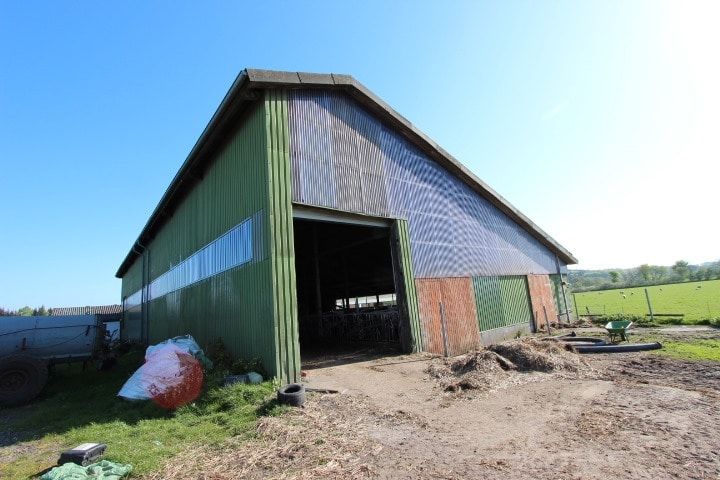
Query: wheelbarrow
[{"x": 618, "y": 328}]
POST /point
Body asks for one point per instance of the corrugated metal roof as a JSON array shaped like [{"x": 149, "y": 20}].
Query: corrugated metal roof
[
  {"x": 89, "y": 310},
  {"x": 373, "y": 170},
  {"x": 243, "y": 92}
]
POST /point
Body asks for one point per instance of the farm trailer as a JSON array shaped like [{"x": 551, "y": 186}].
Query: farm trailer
[{"x": 30, "y": 345}]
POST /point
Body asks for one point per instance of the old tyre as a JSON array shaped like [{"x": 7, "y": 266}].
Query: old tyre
[
  {"x": 22, "y": 378},
  {"x": 292, "y": 394}
]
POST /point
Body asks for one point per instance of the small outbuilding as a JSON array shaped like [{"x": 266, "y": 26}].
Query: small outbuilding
[{"x": 310, "y": 216}]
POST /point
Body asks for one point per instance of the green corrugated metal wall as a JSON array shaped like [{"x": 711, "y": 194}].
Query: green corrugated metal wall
[
  {"x": 501, "y": 301},
  {"x": 252, "y": 308},
  {"x": 232, "y": 189},
  {"x": 282, "y": 248},
  {"x": 132, "y": 281},
  {"x": 409, "y": 284},
  {"x": 235, "y": 306}
]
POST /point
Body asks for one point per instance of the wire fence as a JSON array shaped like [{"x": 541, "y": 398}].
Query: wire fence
[{"x": 691, "y": 303}]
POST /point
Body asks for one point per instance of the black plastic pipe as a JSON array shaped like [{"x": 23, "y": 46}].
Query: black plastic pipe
[{"x": 630, "y": 347}]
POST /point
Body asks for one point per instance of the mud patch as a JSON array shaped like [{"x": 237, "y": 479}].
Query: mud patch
[{"x": 698, "y": 376}]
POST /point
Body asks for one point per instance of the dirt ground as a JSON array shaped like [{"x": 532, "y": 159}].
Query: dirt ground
[{"x": 635, "y": 415}]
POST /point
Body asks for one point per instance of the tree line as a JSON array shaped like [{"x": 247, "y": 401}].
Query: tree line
[
  {"x": 645, "y": 274},
  {"x": 26, "y": 311}
]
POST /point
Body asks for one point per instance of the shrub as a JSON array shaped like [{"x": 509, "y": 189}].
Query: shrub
[
  {"x": 220, "y": 356},
  {"x": 224, "y": 362},
  {"x": 712, "y": 322}
]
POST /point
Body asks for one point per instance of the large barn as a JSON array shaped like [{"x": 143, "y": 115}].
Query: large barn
[{"x": 311, "y": 217}]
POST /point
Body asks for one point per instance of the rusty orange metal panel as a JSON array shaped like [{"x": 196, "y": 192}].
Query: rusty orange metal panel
[
  {"x": 460, "y": 315},
  {"x": 429, "y": 294},
  {"x": 542, "y": 299},
  {"x": 451, "y": 300}
]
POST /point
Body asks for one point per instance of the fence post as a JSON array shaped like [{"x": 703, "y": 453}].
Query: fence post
[
  {"x": 443, "y": 326},
  {"x": 647, "y": 295},
  {"x": 547, "y": 322},
  {"x": 577, "y": 312}
]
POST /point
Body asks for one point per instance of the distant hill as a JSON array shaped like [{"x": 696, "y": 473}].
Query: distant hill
[{"x": 681, "y": 271}]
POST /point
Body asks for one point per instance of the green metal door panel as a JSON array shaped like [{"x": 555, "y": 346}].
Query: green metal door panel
[
  {"x": 282, "y": 249},
  {"x": 408, "y": 276},
  {"x": 488, "y": 302},
  {"x": 501, "y": 301},
  {"x": 516, "y": 300}
]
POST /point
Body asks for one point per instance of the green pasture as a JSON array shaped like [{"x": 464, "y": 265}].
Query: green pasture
[{"x": 696, "y": 300}]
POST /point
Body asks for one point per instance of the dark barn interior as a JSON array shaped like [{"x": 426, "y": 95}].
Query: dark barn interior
[{"x": 345, "y": 288}]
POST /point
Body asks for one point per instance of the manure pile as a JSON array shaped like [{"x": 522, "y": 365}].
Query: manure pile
[{"x": 503, "y": 364}]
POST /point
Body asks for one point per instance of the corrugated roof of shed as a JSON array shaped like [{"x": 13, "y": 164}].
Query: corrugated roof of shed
[
  {"x": 243, "y": 92},
  {"x": 89, "y": 310}
]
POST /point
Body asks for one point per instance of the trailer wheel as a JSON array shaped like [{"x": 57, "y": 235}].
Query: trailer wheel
[{"x": 22, "y": 378}]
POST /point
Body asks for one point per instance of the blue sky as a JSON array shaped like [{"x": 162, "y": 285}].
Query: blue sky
[{"x": 599, "y": 120}]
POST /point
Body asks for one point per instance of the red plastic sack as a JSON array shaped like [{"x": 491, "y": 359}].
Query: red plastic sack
[
  {"x": 170, "y": 377},
  {"x": 182, "y": 385}
]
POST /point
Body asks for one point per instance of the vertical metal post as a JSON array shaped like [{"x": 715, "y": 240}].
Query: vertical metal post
[
  {"x": 345, "y": 283},
  {"x": 146, "y": 310},
  {"x": 318, "y": 290},
  {"x": 547, "y": 322},
  {"x": 143, "y": 299},
  {"x": 577, "y": 312},
  {"x": 565, "y": 301},
  {"x": 562, "y": 289},
  {"x": 443, "y": 327},
  {"x": 647, "y": 296}
]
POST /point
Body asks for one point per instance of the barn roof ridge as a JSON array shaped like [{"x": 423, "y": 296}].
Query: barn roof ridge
[{"x": 242, "y": 93}]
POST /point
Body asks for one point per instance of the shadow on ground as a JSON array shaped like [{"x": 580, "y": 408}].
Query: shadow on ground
[{"x": 74, "y": 397}]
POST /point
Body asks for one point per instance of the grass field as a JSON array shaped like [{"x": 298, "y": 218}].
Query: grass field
[
  {"x": 697, "y": 300},
  {"x": 82, "y": 406}
]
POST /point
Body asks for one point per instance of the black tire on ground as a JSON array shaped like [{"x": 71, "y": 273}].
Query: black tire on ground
[
  {"x": 22, "y": 378},
  {"x": 292, "y": 394}
]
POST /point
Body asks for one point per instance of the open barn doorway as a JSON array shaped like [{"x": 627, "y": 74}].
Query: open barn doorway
[{"x": 346, "y": 295}]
